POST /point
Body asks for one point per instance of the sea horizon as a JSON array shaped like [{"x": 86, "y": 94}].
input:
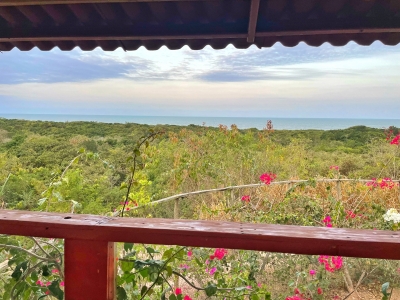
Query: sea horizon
[{"x": 242, "y": 122}]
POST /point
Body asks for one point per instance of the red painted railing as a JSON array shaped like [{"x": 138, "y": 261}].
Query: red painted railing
[{"x": 90, "y": 260}]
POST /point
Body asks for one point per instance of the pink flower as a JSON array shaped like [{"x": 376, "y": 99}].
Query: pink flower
[
  {"x": 62, "y": 283},
  {"x": 246, "y": 198},
  {"x": 296, "y": 291},
  {"x": 47, "y": 292},
  {"x": 334, "y": 168},
  {"x": 39, "y": 282},
  {"x": 396, "y": 140},
  {"x": 327, "y": 221},
  {"x": 248, "y": 287},
  {"x": 295, "y": 298},
  {"x": 332, "y": 263},
  {"x": 267, "y": 178},
  {"x": 185, "y": 267},
  {"x": 48, "y": 283},
  {"x": 178, "y": 291},
  {"x": 319, "y": 291},
  {"x": 259, "y": 285},
  {"x": 312, "y": 272},
  {"x": 219, "y": 253},
  {"x": 212, "y": 271},
  {"x": 350, "y": 215},
  {"x": 190, "y": 253},
  {"x": 187, "y": 298},
  {"x": 54, "y": 271}
]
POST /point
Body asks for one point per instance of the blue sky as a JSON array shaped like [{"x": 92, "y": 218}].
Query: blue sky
[{"x": 303, "y": 81}]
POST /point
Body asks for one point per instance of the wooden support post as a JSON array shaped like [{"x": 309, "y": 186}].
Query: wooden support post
[
  {"x": 338, "y": 190},
  {"x": 90, "y": 270}
]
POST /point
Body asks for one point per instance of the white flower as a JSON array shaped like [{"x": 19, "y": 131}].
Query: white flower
[{"x": 392, "y": 215}]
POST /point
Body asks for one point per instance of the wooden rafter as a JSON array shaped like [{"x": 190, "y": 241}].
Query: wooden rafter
[
  {"x": 51, "y": 2},
  {"x": 254, "y": 8}
]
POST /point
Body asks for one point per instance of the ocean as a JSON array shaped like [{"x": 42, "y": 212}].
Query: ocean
[{"x": 242, "y": 123}]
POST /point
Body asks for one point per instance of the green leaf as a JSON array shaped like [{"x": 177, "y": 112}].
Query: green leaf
[
  {"x": 41, "y": 201},
  {"x": 45, "y": 271},
  {"x": 167, "y": 254},
  {"x": 255, "y": 297},
  {"x": 267, "y": 296},
  {"x": 211, "y": 289},
  {"x": 169, "y": 270},
  {"x": 128, "y": 247},
  {"x": 121, "y": 293},
  {"x": 126, "y": 266},
  {"x": 129, "y": 277},
  {"x": 385, "y": 287},
  {"x": 123, "y": 186},
  {"x": 82, "y": 150},
  {"x": 172, "y": 297},
  {"x": 54, "y": 288},
  {"x": 143, "y": 290},
  {"x": 136, "y": 151},
  {"x": 151, "y": 250},
  {"x": 18, "y": 272}
]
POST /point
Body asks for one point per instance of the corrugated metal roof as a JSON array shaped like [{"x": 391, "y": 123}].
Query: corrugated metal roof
[{"x": 128, "y": 24}]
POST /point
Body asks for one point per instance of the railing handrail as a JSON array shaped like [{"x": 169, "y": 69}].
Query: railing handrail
[{"x": 199, "y": 233}]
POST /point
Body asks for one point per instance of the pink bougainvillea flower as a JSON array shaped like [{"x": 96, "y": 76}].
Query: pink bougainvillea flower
[
  {"x": 38, "y": 282},
  {"x": 259, "y": 285},
  {"x": 319, "y": 291},
  {"x": 246, "y": 198},
  {"x": 47, "y": 292},
  {"x": 219, "y": 253},
  {"x": 267, "y": 178},
  {"x": 312, "y": 272},
  {"x": 327, "y": 221},
  {"x": 350, "y": 214},
  {"x": 296, "y": 291},
  {"x": 48, "y": 283},
  {"x": 185, "y": 267},
  {"x": 248, "y": 287},
  {"x": 62, "y": 283},
  {"x": 187, "y": 298},
  {"x": 190, "y": 253},
  {"x": 212, "y": 271},
  {"x": 178, "y": 291},
  {"x": 334, "y": 168},
  {"x": 331, "y": 263},
  {"x": 296, "y": 297},
  {"x": 396, "y": 140},
  {"x": 54, "y": 271}
]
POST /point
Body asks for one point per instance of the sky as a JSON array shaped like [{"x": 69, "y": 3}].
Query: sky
[{"x": 279, "y": 82}]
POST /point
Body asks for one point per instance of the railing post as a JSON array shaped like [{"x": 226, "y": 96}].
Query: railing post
[
  {"x": 339, "y": 190},
  {"x": 90, "y": 270},
  {"x": 176, "y": 216}
]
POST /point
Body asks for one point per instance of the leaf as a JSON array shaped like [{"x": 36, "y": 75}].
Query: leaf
[
  {"x": 82, "y": 150},
  {"x": 169, "y": 270},
  {"x": 143, "y": 290},
  {"x": 211, "y": 289},
  {"x": 128, "y": 247},
  {"x": 123, "y": 186},
  {"x": 76, "y": 160},
  {"x": 126, "y": 266},
  {"x": 136, "y": 151},
  {"x": 45, "y": 271},
  {"x": 18, "y": 272},
  {"x": 42, "y": 201},
  {"x": 255, "y": 297},
  {"x": 121, "y": 293},
  {"x": 54, "y": 288},
  {"x": 172, "y": 297},
  {"x": 167, "y": 254},
  {"x": 385, "y": 287},
  {"x": 267, "y": 296},
  {"x": 151, "y": 250}
]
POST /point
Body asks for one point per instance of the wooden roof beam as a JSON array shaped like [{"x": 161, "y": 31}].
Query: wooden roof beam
[
  {"x": 254, "y": 8},
  {"x": 52, "y": 2}
]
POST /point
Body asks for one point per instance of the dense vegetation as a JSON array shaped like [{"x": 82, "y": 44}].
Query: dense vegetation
[{"x": 84, "y": 167}]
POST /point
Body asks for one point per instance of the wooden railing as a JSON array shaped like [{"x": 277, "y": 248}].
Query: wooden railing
[{"x": 90, "y": 258}]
